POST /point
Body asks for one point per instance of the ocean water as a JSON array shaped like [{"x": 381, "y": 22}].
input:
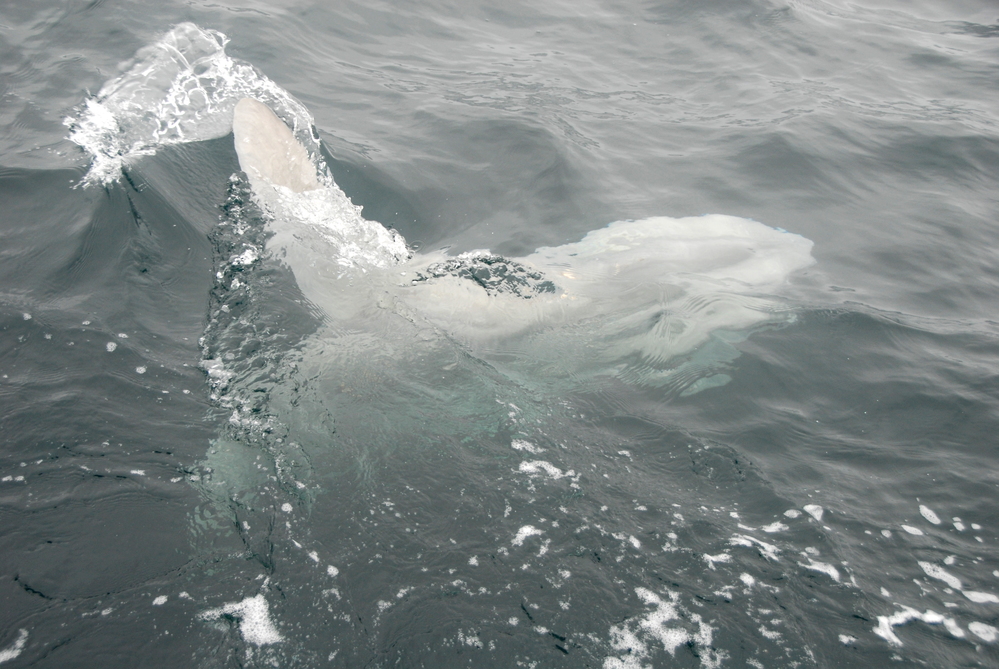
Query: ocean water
[{"x": 751, "y": 423}]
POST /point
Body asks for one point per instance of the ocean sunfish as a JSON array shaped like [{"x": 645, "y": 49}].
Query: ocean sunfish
[{"x": 657, "y": 287}]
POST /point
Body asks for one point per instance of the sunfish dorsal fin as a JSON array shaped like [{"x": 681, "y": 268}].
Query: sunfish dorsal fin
[{"x": 268, "y": 151}]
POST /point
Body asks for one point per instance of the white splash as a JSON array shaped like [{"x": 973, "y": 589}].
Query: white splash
[{"x": 181, "y": 89}]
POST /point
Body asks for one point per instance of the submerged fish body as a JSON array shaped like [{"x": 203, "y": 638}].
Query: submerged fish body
[{"x": 700, "y": 274}]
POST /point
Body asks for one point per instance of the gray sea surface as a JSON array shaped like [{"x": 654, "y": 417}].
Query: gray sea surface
[{"x": 200, "y": 466}]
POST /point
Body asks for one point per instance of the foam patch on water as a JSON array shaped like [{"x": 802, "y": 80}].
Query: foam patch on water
[
  {"x": 521, "y": 445},
  {"x": 254, "y": 620},
  {"x": 929, "y": 514},
  {"x": 886, "y": 624},
  {"x": 217, "y": 373},
  {"x": 984, "y": 631},
  {"x": 470, "y": 639},
  {"x": 822, "y": 567},
  {"x": 543, "y": 467},
  {"x": 667, "y": 624},
  {"x": 525, "y": 532},
  {"x": 814, "y": 510},
  {"x": 712, "y": 559},
  {"x": 981, "y": 597},
  {"x": 939, "y": 573},
  {"x": 12, "y": 651},
  {"x": 767, "y": 550}
]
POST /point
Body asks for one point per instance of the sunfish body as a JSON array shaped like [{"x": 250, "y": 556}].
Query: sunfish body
[
  {"x": 268, "y": 151},
  {"x": 656, "y": 287}
]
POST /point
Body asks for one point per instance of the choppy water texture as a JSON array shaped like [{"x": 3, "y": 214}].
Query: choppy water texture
[{"x": 236, "y": 434}]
